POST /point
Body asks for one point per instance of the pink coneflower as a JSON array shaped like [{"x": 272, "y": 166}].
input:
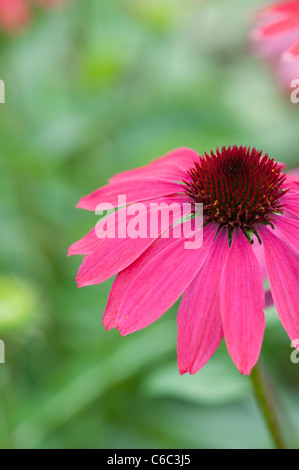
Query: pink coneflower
[
  {"x": 251, "y": 228},
  {"x": 277, "y": 37},
  {"x": 15, "y": 14}
]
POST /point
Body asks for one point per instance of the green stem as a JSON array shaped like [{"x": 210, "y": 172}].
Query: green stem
[{"x": 265, "y": 401}]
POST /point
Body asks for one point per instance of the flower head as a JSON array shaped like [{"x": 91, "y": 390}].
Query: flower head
[
  {"x": 277, "y": 37},
  {"x": 250, "y": 232},
  {"x": 237, "y": 187},
  {"x": 15, "y": 14}
]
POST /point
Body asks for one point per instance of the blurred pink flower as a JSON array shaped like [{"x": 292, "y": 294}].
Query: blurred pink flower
[
  {"x": 15, "y": 14},
  {"x": 251, "y": 230},
  {"x": 277, "y": 37}
]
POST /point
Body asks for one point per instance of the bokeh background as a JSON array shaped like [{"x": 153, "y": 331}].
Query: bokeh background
[{"x": 93, "y": 88}]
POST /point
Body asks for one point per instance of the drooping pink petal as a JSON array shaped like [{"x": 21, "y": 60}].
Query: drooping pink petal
[
  {"x": 242, "y": 303},
  {"x": 89, "y": 242},
  {"x": 277, "y": 38},
  {"x": 260, "y": 255},
  {"x": 293, "y": 51},
  {"x": 289, "y": 71},
  {"x": 85, "y": 245},
  {"x": 14, "y": 14},
  {"x": 280, "y": 27},
  {"x": 286, "y": 7},
  {"x": 290, "y": 230},
  {"x": 281, "y": 165},
  {"x": 171, "y": 167},
  {"x": 272, "y": 46},
  {"x": 291, "y": 202},
  {"x": 295, "y": 173},
  {"x": 112, "y": 254},
  {"x": 135, "y": 190},
  {"x": 125, "y": 278},
  {"x": 283, "y": 269},
  {"x": 199, "y": 321},
  {"x": 154, "y": 282},
  {"x": 114, "y": 221},
  {"x": 292, "y": 181}
]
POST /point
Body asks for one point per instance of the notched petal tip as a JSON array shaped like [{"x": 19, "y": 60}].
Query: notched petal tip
[
  {"x": 108, "y": 323},
  {"x": 183, "y": 371},
  {"x": 81, "y": 203},
  {"x": 81, "y": 283},
  {"x": 246, "y": 370},
  {"x": 190, "y": 369},
  {"x": 122, "y": 331},
  {"x": 71, "y": 250}
]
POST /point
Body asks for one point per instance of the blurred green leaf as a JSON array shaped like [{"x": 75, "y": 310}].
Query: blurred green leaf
[{"x": 217, "y": 383}]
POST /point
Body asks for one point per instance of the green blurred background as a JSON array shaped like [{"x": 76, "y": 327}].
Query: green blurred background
[{"x": 93, "y": 88}]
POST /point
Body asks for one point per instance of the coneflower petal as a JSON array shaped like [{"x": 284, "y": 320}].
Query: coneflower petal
[
  {"x": 291, "y": 203},
  {"x": 289, "y": 229},
  {"x": 125, "y": 278},
  {"x": 91, "y": 241},
  {"x": 135, "y": 190},
  {"x": 14, "y": 14},
  {"x": 199, "y": 321},
  {"x": 242, "y": 302},
  {"x": 283, "y": 269},
  {"x": 112, "y": 255},
  {"x": 171, "y": 167},
  {"x": 159, "y": 282}
]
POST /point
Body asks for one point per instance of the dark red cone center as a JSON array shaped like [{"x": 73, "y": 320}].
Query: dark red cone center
[{"x": 237, "y": 186}]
